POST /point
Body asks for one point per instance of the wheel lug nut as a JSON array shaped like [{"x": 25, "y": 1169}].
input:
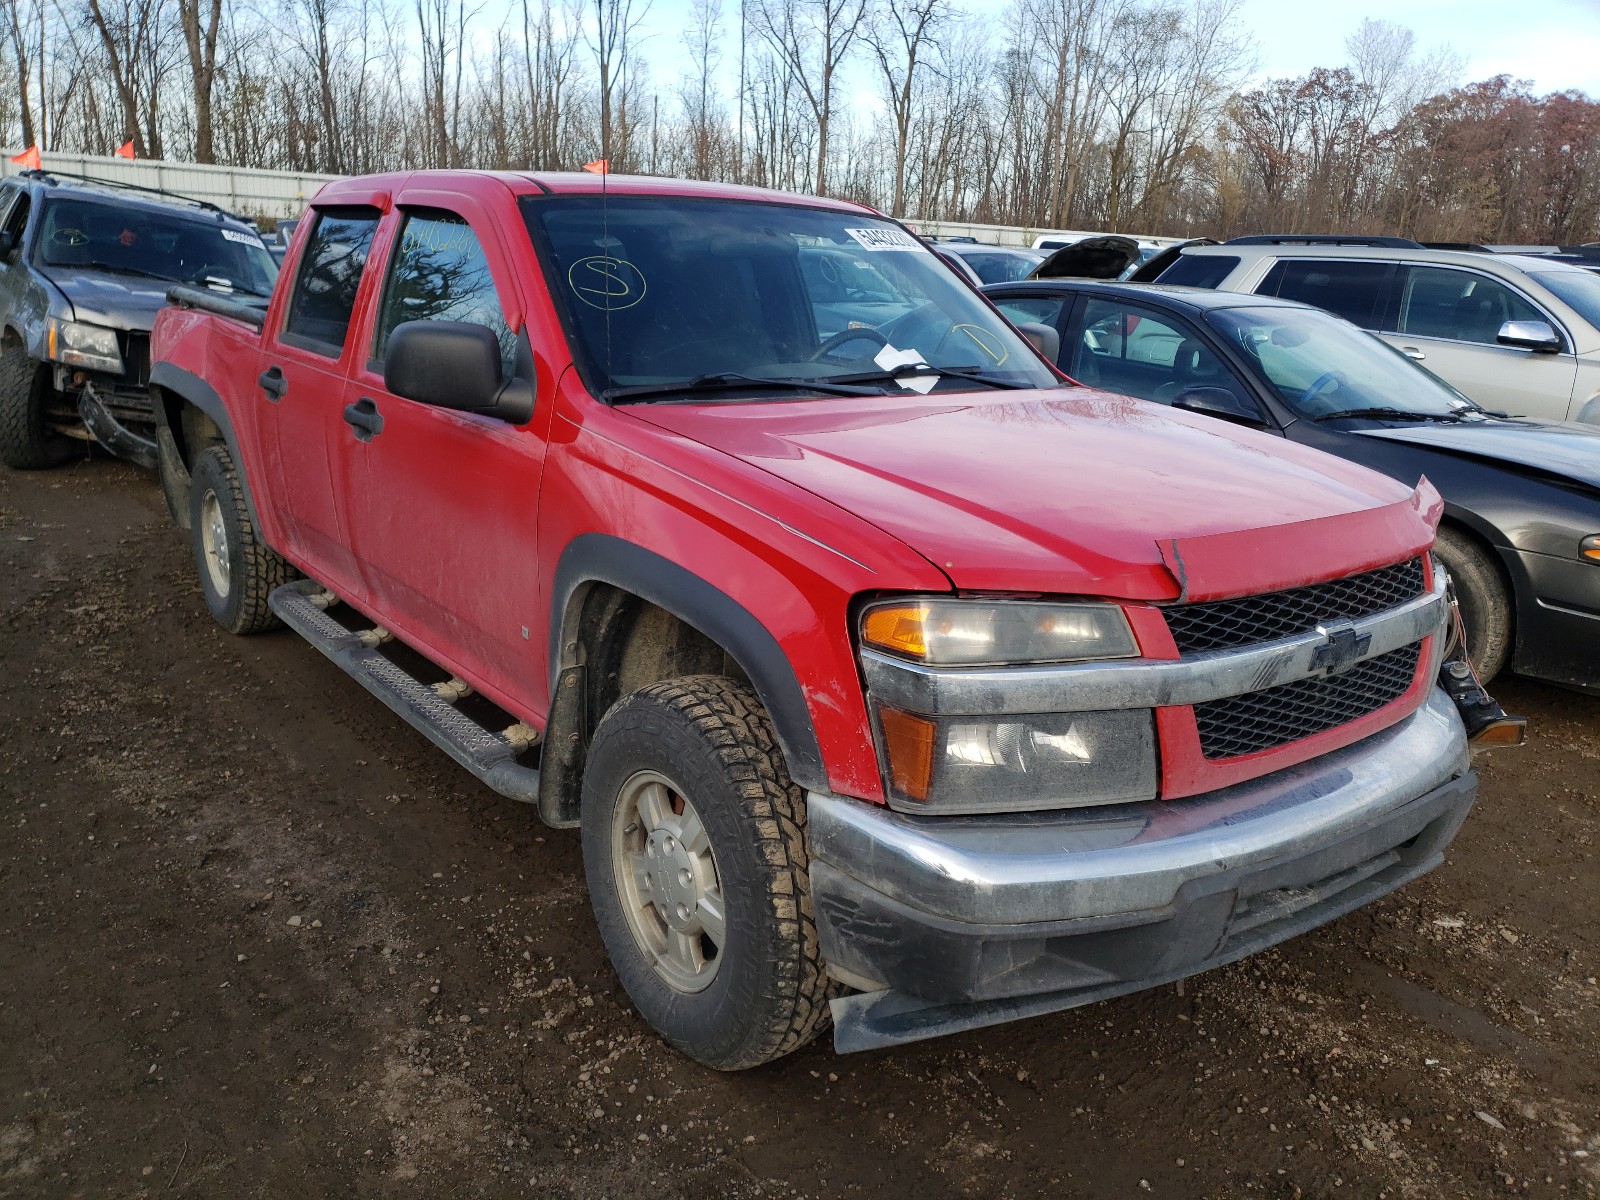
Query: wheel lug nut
[
  {"x": 683, "y": 912},
  {"x": 684, "y": 877}
]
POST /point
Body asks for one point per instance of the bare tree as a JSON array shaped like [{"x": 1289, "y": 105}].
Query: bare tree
[
  {"x": 901, "y": 36},
  {"x": 811, "y": 38}
]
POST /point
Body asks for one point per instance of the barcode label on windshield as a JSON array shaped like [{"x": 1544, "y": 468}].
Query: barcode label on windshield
[
  {"x": 233, "y": 235},
  {"x": 878, "y": 238}
]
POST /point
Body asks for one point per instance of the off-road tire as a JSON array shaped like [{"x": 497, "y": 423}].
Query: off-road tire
[
  {"x": 253, "y": 569},
  {"x": 26, "y": 442},
  {"x": 710, "y": 735},
  {"x": 1484, "y": 599}
]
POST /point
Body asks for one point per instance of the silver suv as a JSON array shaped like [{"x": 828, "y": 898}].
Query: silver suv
[{"x": 1514, "y": 332}]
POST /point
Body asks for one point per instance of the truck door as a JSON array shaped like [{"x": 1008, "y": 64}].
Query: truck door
[
  {"x": 442, "y": 505},
  {"x": 301, "y": 382}
]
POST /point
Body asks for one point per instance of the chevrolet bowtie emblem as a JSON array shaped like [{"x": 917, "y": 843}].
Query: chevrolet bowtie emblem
[{"x": 1342, "y": 648}]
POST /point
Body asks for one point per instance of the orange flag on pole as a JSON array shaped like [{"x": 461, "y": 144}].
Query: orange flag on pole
[
  {"x": 125, "y": 150},
  {"x": 29, "y": 158},
  {"x": 600, "y": 166}
]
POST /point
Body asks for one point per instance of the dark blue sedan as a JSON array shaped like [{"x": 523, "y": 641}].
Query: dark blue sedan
[{"x": 1521, "y": 531}]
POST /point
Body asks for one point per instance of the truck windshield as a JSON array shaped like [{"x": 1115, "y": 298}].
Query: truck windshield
[
  {"x": 665, "y": 295},
  {"x": 122, "y": 239},
  {"x": 1325, "y": 367}
]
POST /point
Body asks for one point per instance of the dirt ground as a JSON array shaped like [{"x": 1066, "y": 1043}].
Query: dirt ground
[{"x": 258, "y": 938}]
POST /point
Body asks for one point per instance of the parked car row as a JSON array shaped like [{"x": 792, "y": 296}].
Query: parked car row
[{"x": 892, "y": 679}]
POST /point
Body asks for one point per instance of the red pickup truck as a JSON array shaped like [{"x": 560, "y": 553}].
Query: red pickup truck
[{"x": 890, "y": 676}]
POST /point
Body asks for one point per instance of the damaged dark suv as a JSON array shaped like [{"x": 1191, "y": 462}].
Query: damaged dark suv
[{"x": 85, "y": 265}]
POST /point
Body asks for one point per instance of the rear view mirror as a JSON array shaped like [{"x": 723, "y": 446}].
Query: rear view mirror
[
  {"x": 455, "y": 365},
  {"x": 1223, "y": 404},
  {"x": 1529, "y": 335},
  {"x": 1042, "y": 338}
]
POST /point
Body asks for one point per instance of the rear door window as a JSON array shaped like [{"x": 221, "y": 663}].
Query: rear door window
[
  {"x": 1031, "y": 310},
  {"x": 1352, "y": 290},
  {"x": 329, "y": 277},
  {"x": 1463, "y": 306},
  {"x": 1129, "y": 349},
  {"x": 439, "y": 272}
]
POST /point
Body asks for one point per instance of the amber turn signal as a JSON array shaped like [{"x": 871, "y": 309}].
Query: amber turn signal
[
  {"x": 1590, "y": 548},
  {"x": 898, "y": 628},
  {"x": 1507, "y": 731},
  {"x": 908, "y": 742}
]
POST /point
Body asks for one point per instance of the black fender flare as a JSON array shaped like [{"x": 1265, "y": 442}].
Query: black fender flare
[
  {"x": 191, "y": 389},
  {"x": 601, "y": 558}
]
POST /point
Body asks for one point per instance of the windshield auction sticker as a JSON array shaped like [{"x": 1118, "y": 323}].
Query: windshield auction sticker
[{"x": 879, "y": 238}]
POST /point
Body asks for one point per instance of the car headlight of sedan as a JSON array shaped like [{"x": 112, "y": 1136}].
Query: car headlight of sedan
[
  {"x": 979, "y": 762},
  {"x": 79, "y": 344}
]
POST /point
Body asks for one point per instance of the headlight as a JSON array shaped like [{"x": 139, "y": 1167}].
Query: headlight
[
  {"x": 971, "y": 633},
  {"x": 1018, "y": 763},
  {"x": 985, "y": 763},
  {"x": 93, "y": 347}
]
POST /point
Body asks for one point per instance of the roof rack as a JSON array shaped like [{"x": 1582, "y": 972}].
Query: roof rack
[
  {"x": 1323, "y": 239},
  {"x": 1472, "y": 247},
  {"x": 54, "y": 177}
]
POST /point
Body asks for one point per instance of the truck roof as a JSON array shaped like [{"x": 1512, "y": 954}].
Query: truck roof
[{"x": 367, "y": 189}]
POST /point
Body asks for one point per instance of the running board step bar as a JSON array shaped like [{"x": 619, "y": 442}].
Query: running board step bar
[{"x": 490, "y": 755}]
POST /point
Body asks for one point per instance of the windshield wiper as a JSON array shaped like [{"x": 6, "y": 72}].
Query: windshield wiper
[
  {"x": 971, "y": 374},
  {"x": 1386, "y": 414},
  {"x": 724, "y": 381}
]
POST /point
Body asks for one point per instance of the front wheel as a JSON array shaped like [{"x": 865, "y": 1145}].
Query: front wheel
[
  {"x": 27, "y": 442},
  {"x": 1484, "y": 600},
  {"x": 695, "y": 849},
  {"x": 237, "y": 570}
]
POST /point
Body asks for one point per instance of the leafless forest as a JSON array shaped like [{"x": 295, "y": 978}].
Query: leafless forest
[{"x": 1142, "y": 115}]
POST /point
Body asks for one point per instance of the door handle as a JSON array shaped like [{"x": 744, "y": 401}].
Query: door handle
[
  {"x": 273, "y": 383},
  {"x": 363, "y": 417},
  {"x": 1413, "y": 353}
]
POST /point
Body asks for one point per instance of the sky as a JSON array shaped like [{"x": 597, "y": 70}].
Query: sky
[{"x": 1555, "y": 43}]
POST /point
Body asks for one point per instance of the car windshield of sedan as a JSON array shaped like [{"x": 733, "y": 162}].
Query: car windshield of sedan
[
  {"x": 179, "y": 248},
  {"x": 1322, "y": 366},
  {"x": 667, "y": 295}
]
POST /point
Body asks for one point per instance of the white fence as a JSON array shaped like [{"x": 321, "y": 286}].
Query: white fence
[
  {"x": 261, "y": 193},
  {"x": 251, "y": 192}
]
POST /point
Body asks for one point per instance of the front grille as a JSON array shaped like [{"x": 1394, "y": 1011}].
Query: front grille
[
  {"x": 1218, "y": 624},
  {"x": 1291, "y": 711}
]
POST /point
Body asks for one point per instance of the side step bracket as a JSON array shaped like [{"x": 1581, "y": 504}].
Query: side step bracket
[{"x": 490, "y": 755}]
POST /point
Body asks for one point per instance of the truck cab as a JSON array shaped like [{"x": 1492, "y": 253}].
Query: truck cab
[{"x": 890, "y": 677}]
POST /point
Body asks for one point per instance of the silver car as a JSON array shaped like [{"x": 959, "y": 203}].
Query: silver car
[{"x": 1516, "y": 333}]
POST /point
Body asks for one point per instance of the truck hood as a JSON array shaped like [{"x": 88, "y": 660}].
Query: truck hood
[
  {"x": 116, "y": 301},
  {"x": 1563, "y": 448},
  {"x": 1075, "y": 491}
]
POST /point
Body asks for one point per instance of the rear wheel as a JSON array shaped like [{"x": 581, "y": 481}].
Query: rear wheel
[
  {"x": 237, "y": 570},
  {"x": 1485, "y": 601},
  {"x": 695, "y": 850},
  {"x": 26, "y": 441}
]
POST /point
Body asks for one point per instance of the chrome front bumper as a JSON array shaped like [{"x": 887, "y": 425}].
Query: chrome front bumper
[{"x": 966, "y": 921}]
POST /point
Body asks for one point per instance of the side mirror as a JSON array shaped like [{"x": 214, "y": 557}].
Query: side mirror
[
  {"x": 1223, "y": 404},
  {"x": 456, "y": 365},
  {"x": 1043, "y": 338},
  {"x": 8, "y": 245},
  {"x": 1529, "y": 335}
]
